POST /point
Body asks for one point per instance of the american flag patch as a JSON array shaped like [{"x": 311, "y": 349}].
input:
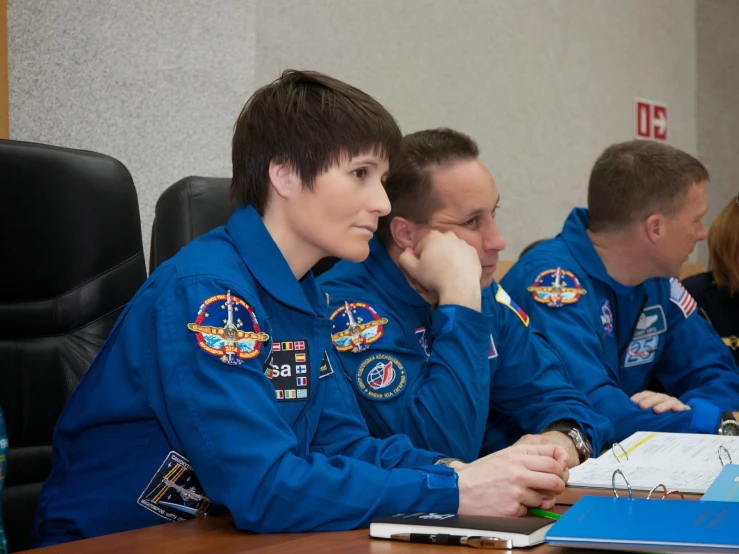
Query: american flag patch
[{"x": 681, "y": 297}]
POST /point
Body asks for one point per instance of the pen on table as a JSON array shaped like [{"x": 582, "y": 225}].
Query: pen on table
[
  {"x": 454, "y": 540},
  {"x": 538, "y": 512}
]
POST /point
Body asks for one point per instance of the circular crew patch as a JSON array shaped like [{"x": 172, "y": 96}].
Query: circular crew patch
[
  {"x": 556, "y": 288},
  {"x": 356, "y": 326},
  {"x": 221, "y": 332},
  {"x": 381, "y": 377}
]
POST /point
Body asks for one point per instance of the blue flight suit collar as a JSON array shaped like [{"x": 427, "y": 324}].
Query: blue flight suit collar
[
  {"x": 268, "y": 266},
  {"x": 395, "y": 282},
  {"x": 391, "y": 277},
  {"x": 575, "y": 236}
]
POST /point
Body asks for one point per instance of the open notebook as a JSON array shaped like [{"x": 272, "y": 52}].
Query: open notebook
[{"x": 683, "y": 461}]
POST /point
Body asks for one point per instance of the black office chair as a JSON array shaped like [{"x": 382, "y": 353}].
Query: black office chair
[
  {"x": 71, "y": 257},
  {"x": 189, "y": 208}
]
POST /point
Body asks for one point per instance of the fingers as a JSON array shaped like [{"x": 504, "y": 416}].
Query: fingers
[
  {"x": 548, "y": 503},
  {"x": 639, "y": 396},
  {"x": 671, "y": 404},
  {"x": 545, "y": 448},
  {"x": 543, "y": 474},
  {"x": 408, "y": 261}
]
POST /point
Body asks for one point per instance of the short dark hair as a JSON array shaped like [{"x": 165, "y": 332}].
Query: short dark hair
[
  {"x": 408, "y": 185},
  {"x": 308, "y": 121},
  {"x": 631, "y": 180}
]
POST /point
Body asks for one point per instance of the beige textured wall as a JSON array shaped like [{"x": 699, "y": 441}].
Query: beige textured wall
[
  {"x": 717, "y": 25},
  {"x": 543, "y": 85}
]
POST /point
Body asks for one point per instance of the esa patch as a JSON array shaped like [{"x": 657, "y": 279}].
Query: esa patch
[
  {"x": 221, "y": 332},
  {"x": 175, "y": 493},
  {"x": 381, "y": 377},
  {"x": 606, "y": 318},
  {"x": 556, "y": 288},
  {"x": 681, "y": 297},
  {"x": 504, "y": 298},
  {"x": 288, "y": 368},
  {"x": 356, "y": 326},
  {"x": 641, "y": 351},
  {"x": 326, "y": 367},
  {"x": 651, "y": 322}
]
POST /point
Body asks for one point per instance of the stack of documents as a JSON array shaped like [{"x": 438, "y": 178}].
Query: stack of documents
[{"x": 682, "y": 461}]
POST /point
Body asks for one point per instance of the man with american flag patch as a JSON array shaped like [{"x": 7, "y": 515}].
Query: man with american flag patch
[{"x": 605, "y": 293}]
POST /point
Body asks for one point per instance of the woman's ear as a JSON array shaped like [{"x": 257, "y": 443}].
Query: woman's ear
[{"x": 283, "y": 179}]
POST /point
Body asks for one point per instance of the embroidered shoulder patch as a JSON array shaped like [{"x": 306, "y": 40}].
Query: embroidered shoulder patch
[
  {"x": 356, "y": 326},
  {"x": 504, "y": 298},
  {"x": 288, "y": 367},
  {"x": 681, "y": 297},
  {"x": 174, "y": 492},
  {"x": 221, "y": 332},
  {"x": 556, "y": 288},
  {"x": 381, "y": 377}
]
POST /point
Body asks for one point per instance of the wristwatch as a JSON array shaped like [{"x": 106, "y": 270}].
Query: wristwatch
[
  {"x": 446, "y": 461},
  {"x": 729, "y": 425},
  {"x": 581, "y": 442}
]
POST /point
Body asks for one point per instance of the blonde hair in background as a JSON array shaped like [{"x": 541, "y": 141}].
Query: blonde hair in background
[{"x": 723, "y": 243}]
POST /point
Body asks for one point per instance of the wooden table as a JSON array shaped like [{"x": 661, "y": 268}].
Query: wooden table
[{"x": 218, "y": 535}]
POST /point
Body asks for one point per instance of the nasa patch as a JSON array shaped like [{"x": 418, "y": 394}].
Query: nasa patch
[
  {"x": 355, "y": 326},
  {"x": 381, "y": 377},
  {"x": 175, "y": 493},
  {"x": 606, "y": 318},
  {"x": 556, "y": 288},
  {"x": 221, "y": 332}
]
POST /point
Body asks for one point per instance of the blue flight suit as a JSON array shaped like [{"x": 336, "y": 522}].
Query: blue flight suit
[
  {"x": 453, "y": 379},
  {"x": 614, "y": 339},
  {"x": 218, "y": 388}
]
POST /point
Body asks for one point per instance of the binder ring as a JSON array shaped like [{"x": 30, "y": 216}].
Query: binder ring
[
  {"x": 628, "y": 485},
  {"x": 665, "y": 492},
  {"x": 722, "y": 449},
  {"x": 613, "y": 450}
]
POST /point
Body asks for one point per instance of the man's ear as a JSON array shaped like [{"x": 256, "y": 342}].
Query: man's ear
[
  {"x": 655, "y": 228},
  {"x": 403, "y": 232},
  {"x": 283, "y": 179}
]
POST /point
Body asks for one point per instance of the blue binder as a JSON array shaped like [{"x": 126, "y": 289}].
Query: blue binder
[
  {"x": 726, "y": 486},
  {"x": 648, "y": 525}
]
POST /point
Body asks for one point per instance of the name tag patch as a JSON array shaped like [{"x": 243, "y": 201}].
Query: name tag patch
[
  {"x": 651, "y": 322},
  {"x": 288, "y": 367},
  {"x": 641, "y": 351},
  {"x": 326, "y": 367},
  {"x": 175, "y": 493}
]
